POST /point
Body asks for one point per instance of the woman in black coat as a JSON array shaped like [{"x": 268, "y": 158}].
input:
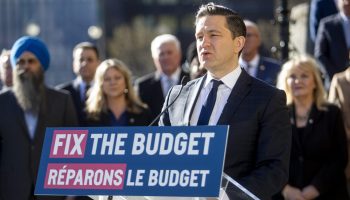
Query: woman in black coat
[
  {"x": 319, "y": 147},
  {"x": 112, "y": 100}
]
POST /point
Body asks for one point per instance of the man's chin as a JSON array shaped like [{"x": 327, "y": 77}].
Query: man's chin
[{"x": 206, "y": 64}]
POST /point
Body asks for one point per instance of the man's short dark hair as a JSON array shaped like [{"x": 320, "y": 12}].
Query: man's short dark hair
[
  {"x": 234, "y": 21},
  {"x": 87, "y": 45}
]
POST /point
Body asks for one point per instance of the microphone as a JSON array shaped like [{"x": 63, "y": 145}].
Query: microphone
[{"x": 183, "y": 83}]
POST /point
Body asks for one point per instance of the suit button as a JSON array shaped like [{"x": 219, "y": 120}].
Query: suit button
[{"x": 32, "y": 147}]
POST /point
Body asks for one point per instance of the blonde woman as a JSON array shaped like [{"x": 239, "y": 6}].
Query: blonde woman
[
  {"x": 112, "y": 100},
  {"x": 319, "y": 148}
]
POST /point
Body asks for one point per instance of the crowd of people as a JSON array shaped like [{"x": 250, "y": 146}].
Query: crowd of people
[{"x": 289, "y": 134}]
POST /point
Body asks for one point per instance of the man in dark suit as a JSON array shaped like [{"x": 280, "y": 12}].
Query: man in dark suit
[
  {"x": 152, "y": 88},
  {"x": 26, "y": 110},
  {"x": 256, "y": 65},
  {"x": 85, "y": 62},
  {"x": 333, "y": 40},
  {"x": 259, "y": 141},
  {"x": 320, "y": 9}
]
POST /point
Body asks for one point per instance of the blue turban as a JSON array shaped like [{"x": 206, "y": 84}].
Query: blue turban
[{"x": 33, "y": 45}]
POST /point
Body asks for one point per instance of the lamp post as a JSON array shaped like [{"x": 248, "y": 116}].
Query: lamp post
[{"x": 283, "y": 20}]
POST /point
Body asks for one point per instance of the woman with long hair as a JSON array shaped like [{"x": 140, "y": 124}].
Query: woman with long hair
[
  {"x": 112, "y": 100},
  {"x": 319, "y": 149}
]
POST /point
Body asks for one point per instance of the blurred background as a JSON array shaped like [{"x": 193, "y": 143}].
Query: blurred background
[{"x": 125, "y": 28}]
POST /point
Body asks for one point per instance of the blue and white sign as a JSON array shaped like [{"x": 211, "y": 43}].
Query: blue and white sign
[{"x": 133, "y": 161}]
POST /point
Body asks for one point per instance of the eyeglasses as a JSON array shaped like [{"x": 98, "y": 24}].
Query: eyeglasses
[{"x": 28, "y": 61}]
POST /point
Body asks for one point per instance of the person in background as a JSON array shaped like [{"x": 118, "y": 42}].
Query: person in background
[
  {"x": 5, "y": 69},
  {"x": 320, "y": 9},
  {"x": 26, "y": 111},
  {"x": 258, "y": 146},
  {"x": 333, "y": 40},
  {"x": 319, "y": 148},
  {"x": 260, "y": 67},
  {"x": 152, "y": 88},
  {"x": 85, "y": 62},
  {"x": 112, "y": 100},
  {"x": 339, "y": 93},
  {"x": 195, "y": 69}
]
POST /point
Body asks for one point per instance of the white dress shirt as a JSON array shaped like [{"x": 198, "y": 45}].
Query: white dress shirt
[
  {"x": 253, "y": 65},
  {"x": 169, "y": 81},
  {"x": 224, "y": 92},
  {"x": 31, "y": 119}
]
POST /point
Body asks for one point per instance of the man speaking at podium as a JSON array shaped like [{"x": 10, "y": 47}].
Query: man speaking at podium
[{"x": 259, "y": 141}]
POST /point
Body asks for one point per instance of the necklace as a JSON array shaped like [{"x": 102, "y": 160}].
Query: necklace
[{"x": 303, "y": 117}]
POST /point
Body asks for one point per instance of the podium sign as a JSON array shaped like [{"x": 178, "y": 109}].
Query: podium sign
[{"x": 133, "y": 161}]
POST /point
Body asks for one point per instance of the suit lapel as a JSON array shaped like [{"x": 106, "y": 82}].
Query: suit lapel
[
  {"x": 40, "y": 126},
  {"x": 340, "y": 32},
  {"x": 76, "y": 86},
  {"x": 261, "y": 69},
  {"x": 192, "y": 96},
  {"x": 157, "y": 87},
  {"x": 238, "y": 93},
  {"x": 296, "y": 138},
  {"x": 314, "y": 117},
  {"x": 18, "y": 112}
]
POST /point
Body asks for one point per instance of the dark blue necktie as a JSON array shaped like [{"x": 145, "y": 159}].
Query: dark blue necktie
[
  {"x": 207, "y": 108},
  {"x": 86, "y": 89}
]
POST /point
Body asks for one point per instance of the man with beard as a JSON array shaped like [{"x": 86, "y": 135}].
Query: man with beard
[{"x": 26, "y": 111}]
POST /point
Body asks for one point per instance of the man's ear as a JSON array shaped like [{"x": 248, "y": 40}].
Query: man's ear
[
  {"x": 75, "y": 68},
  {"x": 239, "y": 44}
]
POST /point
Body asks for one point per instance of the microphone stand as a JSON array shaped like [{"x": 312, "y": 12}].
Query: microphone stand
[{"x": 183, "y": 83}]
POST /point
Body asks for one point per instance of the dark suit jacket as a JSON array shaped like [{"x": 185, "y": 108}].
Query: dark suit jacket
[
  {"x": 74, "y": 90},
  {"x": 268, "y": 70},
  {"x": 257, "y": 153},
  {"x": 19, "y": 154},
  {"x": 150, "y": 91},
  {"x": 330, "y": 46},
  {"x": 134, "y": 119},
  {"x": 319, "y": 156},
  {"x": 319, "y": 9}
]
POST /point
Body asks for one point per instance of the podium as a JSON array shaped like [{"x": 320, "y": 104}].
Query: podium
[
  {"x": 150, "y": 163},
  {"x": 230, "y": 190}
]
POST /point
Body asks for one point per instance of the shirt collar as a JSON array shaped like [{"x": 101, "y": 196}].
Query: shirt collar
[
  {"x": 344, "y": 18},
  {"x": 229, "y": 79},
  {"x": 175, "y": 76},
  {"x": 253, "y": 63},
  {"x": 83, "y": 83}
]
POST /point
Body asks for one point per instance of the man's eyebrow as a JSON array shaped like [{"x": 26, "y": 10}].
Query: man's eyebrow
[
  {"x": 214, "y": 31},
  {"x": 209, "y": 31}
]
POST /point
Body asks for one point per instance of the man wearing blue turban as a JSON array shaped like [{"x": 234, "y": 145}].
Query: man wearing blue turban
[{"x": 26, "y": 110}]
